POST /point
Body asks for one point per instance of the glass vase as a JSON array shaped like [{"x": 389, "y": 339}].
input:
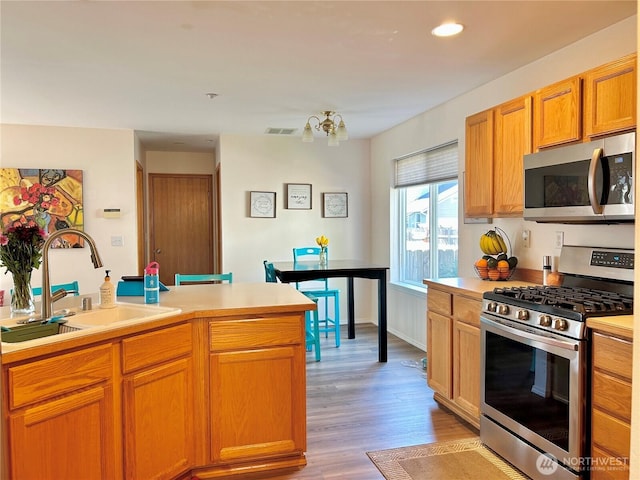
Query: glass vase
[
  {"x": 323, "y": 257},
  {"x": 22, "y": 297}
]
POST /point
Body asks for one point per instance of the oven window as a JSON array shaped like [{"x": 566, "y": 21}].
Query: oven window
[{"x": 528, "y": 385}]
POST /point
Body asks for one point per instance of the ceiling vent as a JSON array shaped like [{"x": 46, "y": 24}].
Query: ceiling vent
[{"x": 280, "y": 131}]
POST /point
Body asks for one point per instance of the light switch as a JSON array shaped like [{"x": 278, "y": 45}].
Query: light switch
[{"x": 117, "y": 241}]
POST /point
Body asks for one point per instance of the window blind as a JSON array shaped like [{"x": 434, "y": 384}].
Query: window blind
[{"x": 436, "y": 164}]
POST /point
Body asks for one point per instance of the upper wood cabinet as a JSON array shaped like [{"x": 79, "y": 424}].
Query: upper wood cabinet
[
  {"x": 610, "y": 97},
  {"x": 478, "y": 183},
  {"x": 512, "y": 142},
  {"x": 496, "y": 141},
  {"x": 558, "y": 113}
]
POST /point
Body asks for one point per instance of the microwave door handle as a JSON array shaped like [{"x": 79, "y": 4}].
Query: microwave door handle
[{"x": 591, "y": 182}]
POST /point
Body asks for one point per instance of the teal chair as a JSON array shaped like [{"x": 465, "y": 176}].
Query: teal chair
[
  {"x": 72, "y": 288},
  {"x": 320, "y": 288},
  {"x": 312, "y": 332},
  {"x": 203, "y": 278}
]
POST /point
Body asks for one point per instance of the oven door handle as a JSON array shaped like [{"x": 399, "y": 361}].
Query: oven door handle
[{"x": 518, "y": 333}]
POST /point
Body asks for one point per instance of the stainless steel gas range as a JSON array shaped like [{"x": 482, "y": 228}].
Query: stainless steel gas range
[{"x": 535, "y": 361}]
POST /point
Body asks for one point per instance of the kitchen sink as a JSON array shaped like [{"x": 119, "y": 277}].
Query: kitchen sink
[
  {"x": 121, "y": 313},
  {"x": 16, "y": 335}
]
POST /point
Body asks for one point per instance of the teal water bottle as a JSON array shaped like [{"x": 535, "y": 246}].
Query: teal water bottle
[{"x": 152, "y": 283}]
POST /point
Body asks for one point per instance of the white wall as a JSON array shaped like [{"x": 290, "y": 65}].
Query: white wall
[
  {"x": 107, "y": 160},
  {"x": 267, "y": 163},
  {"x": 445, "y": 123}
]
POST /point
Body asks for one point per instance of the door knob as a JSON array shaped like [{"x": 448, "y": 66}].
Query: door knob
[{"x": 158, "y": 250}]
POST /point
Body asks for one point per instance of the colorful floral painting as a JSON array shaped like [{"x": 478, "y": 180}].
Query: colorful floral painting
[{"x": 48, "y": 198}]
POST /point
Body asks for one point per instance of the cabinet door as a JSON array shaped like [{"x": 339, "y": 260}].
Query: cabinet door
[
  {"x": 258, "y": 403},
  {"x": 70, "y": 437},
  {"x": 557, "y": 113},
  {"x": 158, "y": 405},
  {"x": 478, "y": 175},
  {"x": 610, "y": 97},
  {"x": 439, "y": 353},
  {"x": 512, "y": 140},
  {"x": 466, "y": 368}
]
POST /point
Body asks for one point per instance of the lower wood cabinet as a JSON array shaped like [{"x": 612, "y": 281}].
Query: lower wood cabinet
[
  {"x": 63, "y": 420},
  {"x": 207, "y": 397},
  {"x": 158, "y": 403},
  {"x": 453, "y": 351},
  {"x": 611, "y": 406},
  {"x": 258, "y": 391}
]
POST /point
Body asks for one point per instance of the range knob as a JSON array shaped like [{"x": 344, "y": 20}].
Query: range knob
[
  {"x": 545, "y": 320},
  {"x": 492, "y": 306},
  {"x": 561, "y": 324},
  {"x": 522, "y": 315},
  {"x": 503, "y": 309}
]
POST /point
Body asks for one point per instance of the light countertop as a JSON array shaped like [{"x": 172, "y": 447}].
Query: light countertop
[{"x": 189, "y": 301}]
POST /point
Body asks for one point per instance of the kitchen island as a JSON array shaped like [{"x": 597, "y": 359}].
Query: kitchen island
[{"x": 216, "y": 390}]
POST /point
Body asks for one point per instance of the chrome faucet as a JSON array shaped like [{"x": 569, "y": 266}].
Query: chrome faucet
[{"x": 47, "y": 298}]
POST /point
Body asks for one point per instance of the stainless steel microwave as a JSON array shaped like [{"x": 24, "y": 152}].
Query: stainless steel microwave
[{"x": 583, "y": 183}]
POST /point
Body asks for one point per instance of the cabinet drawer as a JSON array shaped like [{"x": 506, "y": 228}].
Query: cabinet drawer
[
  {"x": 606, "y": 467},
  {"x": 54, "y": 376},
  {"x": 156, "y": 347},
  {"x": 467, "y": 310},
  {"x": 612, "y": 395},
  {"x": 610, "y": 433},
  {"x": 439, "y": 302},
  {"x": 612, "y": 354},
  {"x": 256, "y": 332}
]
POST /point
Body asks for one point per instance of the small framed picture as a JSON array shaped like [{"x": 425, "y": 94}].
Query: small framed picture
[
  {"x": 335, "y": 205},
  {"x": 299, "y": 196},
  {"x": 262, "y": 204}
]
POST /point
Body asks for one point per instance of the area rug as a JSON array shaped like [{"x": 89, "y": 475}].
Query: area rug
[{"x": 466, "y": 459}]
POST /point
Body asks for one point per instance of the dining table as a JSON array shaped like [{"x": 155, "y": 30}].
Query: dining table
[{"x": 301, "y": 271}]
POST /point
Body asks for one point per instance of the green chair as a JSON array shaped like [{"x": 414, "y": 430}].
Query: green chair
[
  {"x": 72, "y": 288},
  {"x": 190, "y": 279},
  {"x": 320, "y": 288},
  {"x": 312, "y": 332}
]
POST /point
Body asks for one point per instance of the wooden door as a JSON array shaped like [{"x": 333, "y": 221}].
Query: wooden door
[
  {"x": 147, "y": 418},
  {"x": 610, "y": 97},
  {"x": 557, "y": 111},
  {"x": 439, "y": 353},
  {"x": 478, "y": 175},
  {"x": 466, "y": 374},
  {"x": 68, "y": 437},
  {"x": 181, "y": 224},
  {"x": 513, "y": 140}
]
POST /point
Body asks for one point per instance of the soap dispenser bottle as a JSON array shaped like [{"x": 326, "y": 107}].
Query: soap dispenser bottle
[{"x": 107, "y": 292}]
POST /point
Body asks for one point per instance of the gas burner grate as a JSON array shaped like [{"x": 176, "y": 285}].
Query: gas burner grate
[{"x": 583, "y": 301}]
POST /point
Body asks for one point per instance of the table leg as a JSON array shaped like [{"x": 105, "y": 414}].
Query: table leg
[
  {"x": 351, "y": 318},
  {"x": 382, "y": 318}
]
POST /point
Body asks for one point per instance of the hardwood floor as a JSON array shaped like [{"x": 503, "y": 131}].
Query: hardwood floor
[{"x": 356, "y": 404}]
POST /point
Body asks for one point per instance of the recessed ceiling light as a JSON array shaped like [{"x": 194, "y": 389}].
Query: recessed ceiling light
[
  {"x": 211, "y": 95},
  {"x": 447, "y": 30}
]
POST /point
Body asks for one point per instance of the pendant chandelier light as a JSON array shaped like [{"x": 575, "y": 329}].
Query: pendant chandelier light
[{"x": 335, "y": 132}]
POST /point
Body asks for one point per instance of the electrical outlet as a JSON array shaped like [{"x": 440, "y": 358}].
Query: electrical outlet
[
  {"x": 526, "y": 238},
  {"x": 117, "y": 241},
  {"x": 559, "y": 239}
]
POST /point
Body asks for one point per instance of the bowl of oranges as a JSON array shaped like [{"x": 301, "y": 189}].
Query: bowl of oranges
[
  {"x": 495, "y": 264},
  {"x": 495, "y": 268}
]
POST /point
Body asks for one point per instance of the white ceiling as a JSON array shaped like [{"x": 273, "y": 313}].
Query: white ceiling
[{"x": 148, "y": 65}]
